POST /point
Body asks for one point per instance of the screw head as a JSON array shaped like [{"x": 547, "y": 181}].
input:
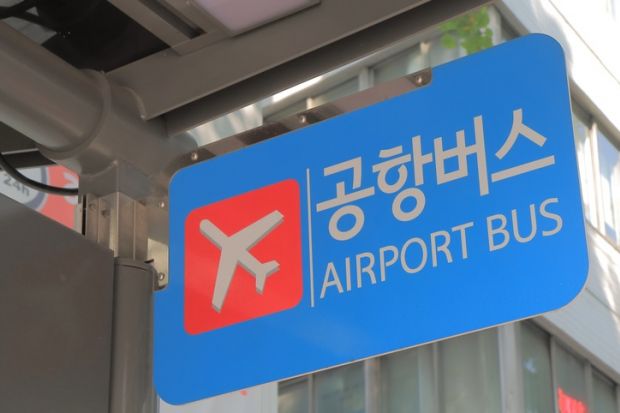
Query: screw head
[
  {"x": 161, "y": 276},
  {"x": 194, "y": 156},
  {"x": 303, "y": 119},
  {"x": 162, "y": 204},
  {"x": 419, "y": 80}
]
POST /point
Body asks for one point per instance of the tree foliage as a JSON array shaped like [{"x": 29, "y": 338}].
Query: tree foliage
[{"x": 471, "y": 32}]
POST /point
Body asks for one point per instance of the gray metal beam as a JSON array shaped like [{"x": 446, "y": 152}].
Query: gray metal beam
[
  {"x": 42, "y": 96},
  {"x": 27, "y": 159},
  {"x": 81, "y": 120},
  {"x": 316, "y": 63},
  {"x": 167, "y": 80},
  {"x": 12, "y": 141}
]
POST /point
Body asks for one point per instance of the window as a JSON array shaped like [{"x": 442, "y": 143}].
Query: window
[
  {"x": 293, "y": 397},
  {"x": 603, "y": 395},
  {"x": 584, "y": 159},
  {"x": 341, "y": 389},
  {"x": 469, "y": 374},
  {"x": 577, "y": 386},
  {"x": 609, "y": 175},
  {"x": 507, "y": 33},
  {"x": 428, "y": 53},
  {"x": 338, "y": 91},
  {"x": 437, "y": 54},
  {"x": 536, "y": 370},
  {"x": 409, "y": 61},
  {"x": 600, "y": 189},
  {"x": 459, "y": 375},
  {"x": 344, "y": 89},
  {"x": 292, "y": 109},
  {"x": 408, "y": 381},
  {"x": 570, "y": 378}
]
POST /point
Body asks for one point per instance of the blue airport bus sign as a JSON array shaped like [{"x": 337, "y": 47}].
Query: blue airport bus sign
[{"x": 448, "y": 209}]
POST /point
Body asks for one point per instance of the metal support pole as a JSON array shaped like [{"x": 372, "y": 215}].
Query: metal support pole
[
  {"x": 82, "y": 121},
  {"x": 131, "y": 386},
  {"x": 118, "y": 222},
  {"x": 93, "y": 126}
]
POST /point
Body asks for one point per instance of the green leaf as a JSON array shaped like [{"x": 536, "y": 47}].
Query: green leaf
[
  {"x": 469, "y": 45},
  {"x": 483, "y": 18},
  {"x": 449, "y": 25},
  {"x": 470, "y": 30},
  {"x": 448, "y": 41}
]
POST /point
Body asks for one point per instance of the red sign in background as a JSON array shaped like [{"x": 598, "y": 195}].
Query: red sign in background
[
  {"x": 61, "y": 208},
  {"x": 568, "y": 404},
  {"x": 283, "y": 288},
  {"x": 56, "y": 207}
]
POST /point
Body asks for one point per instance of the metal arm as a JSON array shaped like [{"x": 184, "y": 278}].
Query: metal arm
[{"x": 80, "y": 119}]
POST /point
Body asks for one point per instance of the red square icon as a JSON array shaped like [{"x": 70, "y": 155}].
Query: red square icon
[{"x": 243, "y": 257}]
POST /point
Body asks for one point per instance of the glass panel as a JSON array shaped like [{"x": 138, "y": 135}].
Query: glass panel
[
  {"x": 292, "y": 109},
  {"x": 236, "y": 122},
  {"x": 506, "y": 32},
  {"x": 584, "y": 158},
  {"x": 340, "y": 390},
  {"x": 404, "y": 63},
  {"x": 571, "y": 383},
  {"x": 344, "y": 89},
  {"x": 437, "y": 54},
  {"x": 407, "y": 381},
  {"x": 536, "y": 365},
  {"x": 609, "y": 162},
  {"x": 603, "y": 395},
  {"x": 426, "y": 54},
  {"x": 469, "y": 374},
  {"x": 293, "y": 397}
]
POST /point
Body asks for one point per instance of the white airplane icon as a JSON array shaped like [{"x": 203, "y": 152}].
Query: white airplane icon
[{"x": 235, "y": 250}]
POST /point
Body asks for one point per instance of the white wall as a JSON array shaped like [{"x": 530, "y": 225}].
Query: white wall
[{"x": 590, "y": 41}]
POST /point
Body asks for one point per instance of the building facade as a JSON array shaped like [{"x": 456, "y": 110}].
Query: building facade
[{"x": 567, "y": 361}]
